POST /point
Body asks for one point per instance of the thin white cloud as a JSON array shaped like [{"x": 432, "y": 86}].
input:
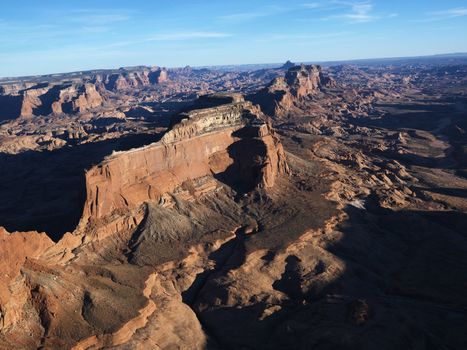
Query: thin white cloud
[
  {"x": 243, "y": 16},
  {"x": 360, "y": 11},
  {"x": 450, "y": 13},
  {"x": 357, "y": 12},
  {"x": 435, "y": 16},
  {"x": 56, "y": 26},
  {"x": 321, "y": 36},
  {"x": 168, "y": 37},
  {"x": 248, "y": 16},
  {"x": 100, "y": 19},
  {"x": 312, "y": 5},
  {"x": 304, "y": 37},
  {"x": 187, "y": 36}
]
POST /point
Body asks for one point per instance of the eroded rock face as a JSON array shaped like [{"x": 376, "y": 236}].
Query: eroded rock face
[
  {"x": 158, "y": 75},
  {"x": 125, "y": 80},
  {"x": 15, "y": 248},
  {"x": 46, "y": 99},
  {"x": 283, "y": 93},
  {"x": 231, "y": 142},
  {"x": 360, "y": 245},
  {"x": 142, "y": 199},
  {"x": 76, "y": 95}
]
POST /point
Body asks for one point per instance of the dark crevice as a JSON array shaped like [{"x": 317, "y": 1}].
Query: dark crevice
[
  {"x": 40, "y": 302},
  {"x": 229, "y": 256}
]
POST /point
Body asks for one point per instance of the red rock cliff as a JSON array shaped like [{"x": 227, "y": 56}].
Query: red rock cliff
[
  {"x": 283, "y": 93},
  {"x": 229, "y": 140}
]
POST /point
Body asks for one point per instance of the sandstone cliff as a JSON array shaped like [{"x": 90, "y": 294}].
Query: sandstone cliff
[
  {"x": 76, "y": 95},
  {"x": 285, "y": 93},
  {"x": 46, "y": 99},
  {"x": 182, "y": 188},
  {"x": 124, "y": 80},
  {"x": 231, "y": 142}
]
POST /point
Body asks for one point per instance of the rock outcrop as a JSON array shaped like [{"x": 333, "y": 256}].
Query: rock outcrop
[
  {"x": 205, "y": 240},
  {"x": 15, "y": 248},
  {"x": 76, "y": 95},
  {"x": 306, "y": 80},
  {"x": 133, "y": 79},
  {"x": 285, "y": 93},
  {"x": 46, "y": 99},
  {"x": 158, "y": 75},
  {"x": 287, "y": 65},
  {"x": 230, "y": 142},
  {"x": 145, "y": 198}
]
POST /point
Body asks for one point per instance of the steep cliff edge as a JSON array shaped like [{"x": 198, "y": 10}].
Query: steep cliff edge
[
  {"x": 230, "y": 142},
  {"x": 138, "y": 203},
  {"x": 73, "y": 94},
  {"x": 360, "y": 245},
  {"x": 47, "y": 99},
  {"x": 123, "y": 79},
  {"x": 285, "y": 93}
]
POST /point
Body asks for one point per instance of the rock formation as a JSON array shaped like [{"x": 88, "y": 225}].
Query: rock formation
[
  {"x": 158, "y": 76},
  {"x": 287, "y": 65},
  {"x": 15, "y": 249},
  {"x": 196, "y": 234},
  {"x": 284, "y": 93},
  {"x": 73, "y": 96},
  {"x": 132, "y": 79},
  {"x": 306, "y": 80},
  {"x": 230, "y": 141},
  {"x": 207, "y": 156},
  {"x": 46, "y": 99}
]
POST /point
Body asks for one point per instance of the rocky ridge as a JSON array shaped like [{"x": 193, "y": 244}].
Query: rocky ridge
[
  {"x": 285, "y": 94},
  {"x": 124, "y": 80},
  {"x": 229, "y": 138},
  {"x": 78, "y": 95},
  {"x": 359, "y": 242},
  {"x": 192, "y": 173},
  {"x": 50, "y": 99}
]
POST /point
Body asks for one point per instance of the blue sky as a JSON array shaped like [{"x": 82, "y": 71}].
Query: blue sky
[{"x": 50, "y": 36}]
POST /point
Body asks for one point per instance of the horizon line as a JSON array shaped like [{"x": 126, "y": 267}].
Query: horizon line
[{"x": 235, "y": 65}]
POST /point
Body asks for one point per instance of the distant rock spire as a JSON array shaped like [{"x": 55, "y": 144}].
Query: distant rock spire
[{"x": 288, "y": 65}]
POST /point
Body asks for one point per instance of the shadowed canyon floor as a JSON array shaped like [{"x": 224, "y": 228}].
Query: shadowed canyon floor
[{"x": 327, "y": 213}]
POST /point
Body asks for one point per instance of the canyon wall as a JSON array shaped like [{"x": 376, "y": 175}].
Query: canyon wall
[
  {"x": 76, "y": 94},
  {"x": 123, "y": 80},
  {"x": 46, "y": 99},
  {"x": 230, "y": 142},
  {"x": 283, "y": 93}
]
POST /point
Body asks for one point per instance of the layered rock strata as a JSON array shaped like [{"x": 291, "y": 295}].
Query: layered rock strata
[
  {"x": 46, "y": 99},
  {"x": 76, "y": 293},
  {"x": 124, "y": 80},
  {"x": 283, "y": 93},
  {"x": 74, "y": 94},
  {"x": 231, "y": 142}
]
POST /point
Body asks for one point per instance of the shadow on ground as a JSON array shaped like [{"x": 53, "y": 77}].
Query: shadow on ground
[
  {"x": 403, "y": 288},
  {"x": 45, "y": 191}
]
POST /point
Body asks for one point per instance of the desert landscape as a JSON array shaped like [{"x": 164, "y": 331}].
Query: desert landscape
[
  {"x": 300, "y": 205},
  {"x": 291, "y": 207}
]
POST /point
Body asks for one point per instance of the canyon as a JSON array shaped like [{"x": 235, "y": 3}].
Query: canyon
[
  {"x": 284, "y": 94},
  {"x": 76, "y": 95},
  {"x": 295, "y": 206}
]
